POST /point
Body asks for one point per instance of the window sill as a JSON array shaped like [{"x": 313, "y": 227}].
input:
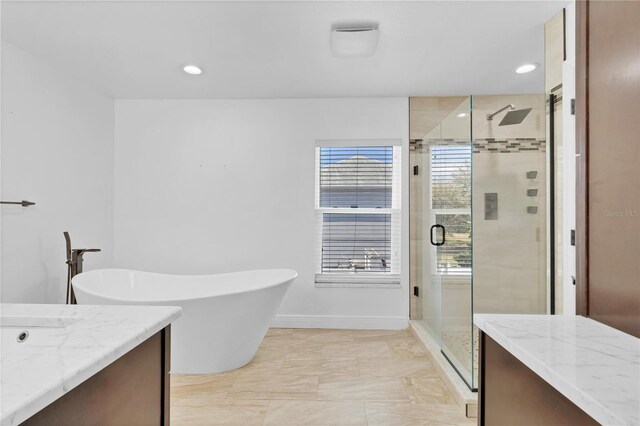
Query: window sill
[
  {"x": 357, "y": 281},
  {"x": 357, "y": 285}
]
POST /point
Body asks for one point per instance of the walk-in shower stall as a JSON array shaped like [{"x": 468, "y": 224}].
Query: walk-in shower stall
[{"x": 478, "y": 216}]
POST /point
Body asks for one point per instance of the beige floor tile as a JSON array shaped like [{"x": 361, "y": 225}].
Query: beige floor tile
[
  {"x": 324, "y": 335},
  {"x": 279, "y": 332},
  {"x": 281, "y": 341},
  {"x": 273, "y": 386},
  {"x": 381, "y": 334},
  {"x": 397, "y": 367},
  {"x": 308, "y": 349},
  {"x": 270, "y": 396},
  {"x": 185, "y": 387},
  {"x": 318, "y": 378},
  {"x": 260, "y": 365},
  {"x": 269, "y": 353},
  {"x": 407, "y": 348},
  {"x": 357, "y": 349},
  {"x": 362, "y": 388},
  {"x": 429, "y": 390},
  {"x": 315, "y": 413},
  {"x": 185, "y": 380},
  {"x": 319, "y": 366},
  {"x": 286, "y": 345},
  {"x": 243, "y": 413},
  {"x": 390, "y": 414}
]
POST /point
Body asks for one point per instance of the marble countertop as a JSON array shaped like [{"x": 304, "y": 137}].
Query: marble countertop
[
  {"x": 595, "y": 366},
  {"x": 67, "y": 344}
]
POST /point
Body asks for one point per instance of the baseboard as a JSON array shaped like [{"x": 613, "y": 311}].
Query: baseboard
[{"x": 337, "y": 322}]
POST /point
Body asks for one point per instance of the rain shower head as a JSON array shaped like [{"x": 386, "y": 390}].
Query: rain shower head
[
  {"x": 509, "y": 107},
  {"x": 514, "y": 116}
]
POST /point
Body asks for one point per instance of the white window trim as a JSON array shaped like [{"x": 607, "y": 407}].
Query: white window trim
[{"x": 352, "y": 279}]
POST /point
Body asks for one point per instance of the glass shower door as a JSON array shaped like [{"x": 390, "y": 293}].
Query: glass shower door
[
  {"x": 449, "y": 215},
  {"x": 440, "y": 226},
  {"x": 425, "y": 308},
  {"x": 509, "y": 205},
  {"x": 450, "y": 181},
  {"x": 491, "y": 258}
]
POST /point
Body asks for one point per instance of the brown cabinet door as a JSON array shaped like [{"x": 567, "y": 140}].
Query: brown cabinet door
[{"x": 608, "y": 204}]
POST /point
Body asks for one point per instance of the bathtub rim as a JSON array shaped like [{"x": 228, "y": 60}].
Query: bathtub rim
[{"x": 289, "y": 279}]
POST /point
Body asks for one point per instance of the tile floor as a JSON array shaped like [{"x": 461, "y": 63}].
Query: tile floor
[{"x": 322, "y": 377}]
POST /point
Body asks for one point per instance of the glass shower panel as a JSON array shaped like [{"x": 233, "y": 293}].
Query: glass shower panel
[
  {"x": 451, "y": 208},
  {"x": 433, "y": 121},
  {"x": 509, "y": 199},
  {"x": 478, "y": 222},
  {"x": 425, "y": 305}
]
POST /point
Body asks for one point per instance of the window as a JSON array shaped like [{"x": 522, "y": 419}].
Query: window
[
  {"x": 358, "y": 213},
  {"x": 451, "y": 206}
]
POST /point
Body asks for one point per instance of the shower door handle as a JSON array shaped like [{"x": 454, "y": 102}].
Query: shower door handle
[{"x": 431, "y": 235}]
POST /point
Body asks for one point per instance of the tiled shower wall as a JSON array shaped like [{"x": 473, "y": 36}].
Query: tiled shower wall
[
  {"x": 507, "y": 146},
  {"x": 509, "y": 251}
]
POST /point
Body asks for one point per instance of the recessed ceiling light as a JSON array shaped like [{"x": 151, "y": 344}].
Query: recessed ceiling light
[
  {"x": 462, "y": 115},
  {"x": 525, "y": 68},
  {"x": 192, "y": 69}
]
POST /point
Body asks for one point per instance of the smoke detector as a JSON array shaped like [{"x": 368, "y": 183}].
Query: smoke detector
[{"x": 354, "y": 41}]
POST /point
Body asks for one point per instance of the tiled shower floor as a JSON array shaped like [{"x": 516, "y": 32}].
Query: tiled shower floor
[{"x": 456, "y": 342}]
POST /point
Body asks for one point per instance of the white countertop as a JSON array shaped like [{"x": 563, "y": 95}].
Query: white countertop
[
  {"x": 67, "y": 344},
  {"x": 595, "y": 366}
]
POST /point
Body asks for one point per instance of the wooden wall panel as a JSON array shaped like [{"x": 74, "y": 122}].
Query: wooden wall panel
[{"x": 609, "y": 176}]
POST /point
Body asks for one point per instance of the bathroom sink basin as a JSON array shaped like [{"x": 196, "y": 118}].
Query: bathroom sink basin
[
  {"x": 16, "y": 330},
  {"x": 30, "y": 321}
]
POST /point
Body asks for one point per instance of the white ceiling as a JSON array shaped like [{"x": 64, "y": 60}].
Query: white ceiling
[{"x": 278, "y": 49}]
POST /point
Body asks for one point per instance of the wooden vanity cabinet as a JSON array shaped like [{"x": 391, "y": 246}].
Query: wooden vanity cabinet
[
  {"x": 510, "y": 393},
  {"x": 133, "y": 390}
]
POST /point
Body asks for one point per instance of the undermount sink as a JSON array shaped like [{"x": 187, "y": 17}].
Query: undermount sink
[
  {"x": 31, "y": 321},
  {"x": 17, "y": 330},
  {"x": 83, "y": 349}
]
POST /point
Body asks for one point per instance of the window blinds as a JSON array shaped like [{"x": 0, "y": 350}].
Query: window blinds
[
  {"x": 358, "y": 214},
  {"x": 450, "y": 177},
  {"x": 451, "y": 205},
  {"x": 356, "y": 177}
]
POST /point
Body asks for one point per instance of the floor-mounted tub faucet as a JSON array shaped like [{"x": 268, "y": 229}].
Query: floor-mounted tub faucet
[{"x": 74, "y": 263}]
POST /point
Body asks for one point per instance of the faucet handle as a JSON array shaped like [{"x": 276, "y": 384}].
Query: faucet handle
[
  {"x": 67, "y": 239},
  {"x": 80, "y": 252}
]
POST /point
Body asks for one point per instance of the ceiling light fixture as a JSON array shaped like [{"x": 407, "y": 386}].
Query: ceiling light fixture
[
  {"x": 462, "y": 115},
  {"x": 192, "y": 69},
  {"x": 354, "y": 41},
  {"x": 525, "y": 68}
]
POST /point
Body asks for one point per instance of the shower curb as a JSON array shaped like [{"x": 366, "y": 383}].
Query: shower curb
[{"x": 463, "y": 395}]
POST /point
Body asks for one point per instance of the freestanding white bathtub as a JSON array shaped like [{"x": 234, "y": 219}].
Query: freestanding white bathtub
[{"x": 224, "y": 317}]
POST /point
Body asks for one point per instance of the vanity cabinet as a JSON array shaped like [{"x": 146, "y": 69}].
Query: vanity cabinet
[
  {"x": 556, "y": 370},
  {"x": 509, "y": 393},
  {"x": 134, "y": 389}
]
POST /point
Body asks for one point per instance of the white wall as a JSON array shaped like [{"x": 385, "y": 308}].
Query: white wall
[
  {"x": 209, "y": 186},
  {"x": 57, "y": 150}
]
